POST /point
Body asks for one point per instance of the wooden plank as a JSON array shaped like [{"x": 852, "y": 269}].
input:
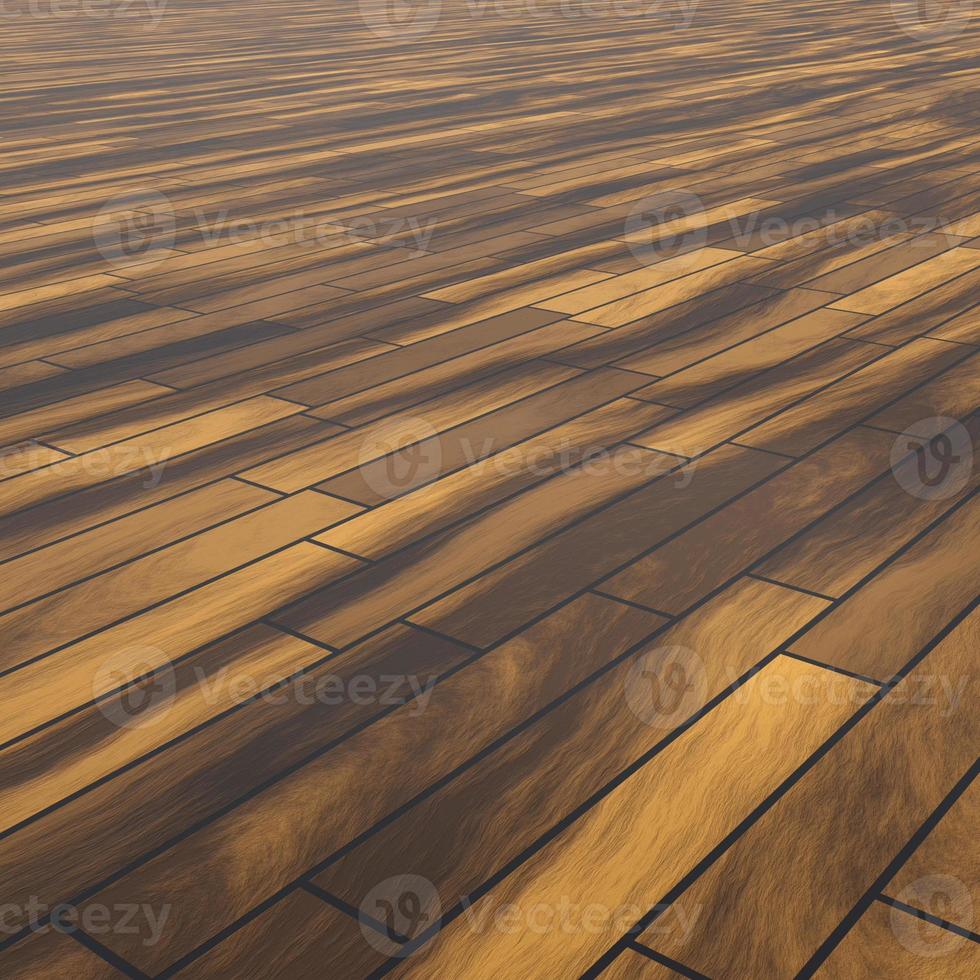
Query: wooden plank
[
  {"x": 72, "y": 677},
  {"x": 737, "y": 363},
  {"x": 732, "y": 414},
  {"x": 141, "y": 452},
  {"x": 304, "y": 934},
  {"x": 853, "y": 398},
  {"x": 49, "y": 569},
  {"x": 837, "y": 552}
]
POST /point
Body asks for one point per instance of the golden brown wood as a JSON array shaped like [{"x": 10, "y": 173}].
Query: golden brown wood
[{"x": 452, "y": 349}]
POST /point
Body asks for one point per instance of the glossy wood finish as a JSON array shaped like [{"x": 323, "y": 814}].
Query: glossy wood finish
[{"x": 488, "y": 489}]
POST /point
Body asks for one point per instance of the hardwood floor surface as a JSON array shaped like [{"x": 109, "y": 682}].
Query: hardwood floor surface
[{"x": 489, "y": 489}]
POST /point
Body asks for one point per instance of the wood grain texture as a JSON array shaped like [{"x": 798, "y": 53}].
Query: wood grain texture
[
  {"x": 382, "y": 386},
  {"x": 890, "y": 943}
]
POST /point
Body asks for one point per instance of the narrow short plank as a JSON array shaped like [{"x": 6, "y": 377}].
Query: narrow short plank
[
  {"x": 924, "y": 314},
  {"x": 149, "y": 452},
  {"x": 732, "y": 413},
  {"x": 398, "y": 363},
  {"x": 93, "y": 433},
  {"x": 615, "y": 345},
  {"x": 953, "y": 394},
  {"x": 379, "y": 438},
  {"x": 72, "y": 410},
  {"x": 884, "y": 265},
  {"x": 837, "y": 552},
  {"x": 471, "y": 441},
  {"x": 740, "y": 362},
  {"x": 912, "y": 749},
  {"x": 434, "y": 566},
  {"x": 279, "y": 348},
  {"x": 718, "y": 335},
  {"x": 670, "y": 294},
  {"x": 431, "y": 508},
  {"x": 617, "y": 287},
  {"x": 509, "y": 362},
  {"x": 63, "y": 516},
  {"x": 78, "y": 751},
  {"x": 52, "y": 568},
  {"x": 906, "y": 285}
]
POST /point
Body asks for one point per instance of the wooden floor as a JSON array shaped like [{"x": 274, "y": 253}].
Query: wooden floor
[{"x": 489, "y": 493}]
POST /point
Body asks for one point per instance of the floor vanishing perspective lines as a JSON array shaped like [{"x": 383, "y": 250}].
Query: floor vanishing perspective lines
[{"x": 489, "y": 490}]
